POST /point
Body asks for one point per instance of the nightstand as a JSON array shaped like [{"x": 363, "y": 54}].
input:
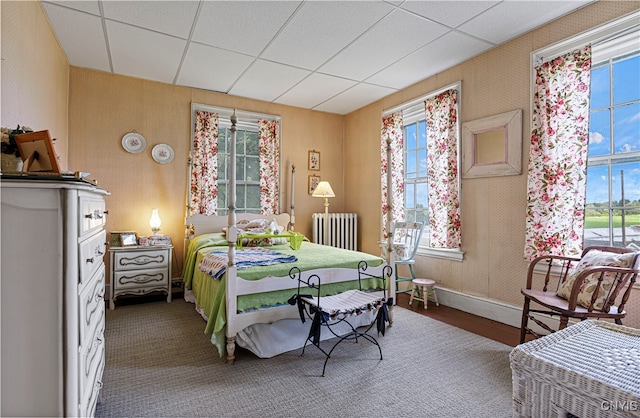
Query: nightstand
[{"x": 138, "y": 270}]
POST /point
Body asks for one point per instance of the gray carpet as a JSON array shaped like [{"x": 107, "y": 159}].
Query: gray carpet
[{"x": 159, "y": 363}]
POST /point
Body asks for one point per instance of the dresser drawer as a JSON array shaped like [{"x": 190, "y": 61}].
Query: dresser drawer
[
  {"x": 91, "y": 366},
  {"x": 134, "y": 279},
  {"x": 91, "y": 306},
  {"x": 148, "y": 259},
  {"x": 91, "y": 256},
  {"x": 91, "y": 211}
]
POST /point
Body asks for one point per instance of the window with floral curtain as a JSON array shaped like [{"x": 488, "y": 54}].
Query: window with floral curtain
[
  {"x": 203, "y": 196},
  {"x": 424, "y": 139},
  {"x": 257, "y": 162},
  {"x": 269, "y": 166},
  {"x": 442, "y": 169},
  {"x": 556, "y": 181}
]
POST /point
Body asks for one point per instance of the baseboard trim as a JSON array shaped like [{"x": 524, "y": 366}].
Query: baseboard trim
[{"x": 487, "y": 308}]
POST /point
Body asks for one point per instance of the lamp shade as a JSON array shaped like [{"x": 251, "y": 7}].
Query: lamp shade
[
  {"x": 323, "y": 190},
  {"x": 154, "y": 221}
]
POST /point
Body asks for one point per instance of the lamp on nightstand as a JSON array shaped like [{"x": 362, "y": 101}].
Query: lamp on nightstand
[
  {"x": 155, "y": 222},
  {"x": 324, "y": 190}
]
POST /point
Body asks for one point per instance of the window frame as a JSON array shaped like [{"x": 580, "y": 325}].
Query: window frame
[
  {"x": 415, "y": 114},
  {"x": 246, "y": 121}
]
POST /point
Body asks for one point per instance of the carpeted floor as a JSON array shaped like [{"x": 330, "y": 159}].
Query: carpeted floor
[{"x": 159, "y": 363}]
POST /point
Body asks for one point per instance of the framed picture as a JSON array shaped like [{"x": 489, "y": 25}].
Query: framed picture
[
  {"x": 128, "y": 239},
  {"x": 313, "y": 182},
  {"x": 37, "y": 152},
  {"x": 314, "y": 160}
]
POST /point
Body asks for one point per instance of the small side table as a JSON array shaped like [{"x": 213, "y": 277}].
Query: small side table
[{"x": 138, "y": 270}]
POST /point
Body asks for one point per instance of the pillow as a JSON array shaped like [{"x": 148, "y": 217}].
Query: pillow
[
  {"x": 263, "y": 242},
  {"x": 592, "y": 259}
]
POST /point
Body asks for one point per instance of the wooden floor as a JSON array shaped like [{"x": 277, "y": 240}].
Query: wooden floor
[{"x": 494, "y": 330}]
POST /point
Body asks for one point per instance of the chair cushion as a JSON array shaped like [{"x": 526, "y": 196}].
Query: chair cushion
[
  {"x": 592, "y": 259},
  {"x": 401, "y": 251}
]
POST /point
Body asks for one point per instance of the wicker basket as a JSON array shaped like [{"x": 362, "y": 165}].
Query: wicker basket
[{"x": 590, "y": 369}]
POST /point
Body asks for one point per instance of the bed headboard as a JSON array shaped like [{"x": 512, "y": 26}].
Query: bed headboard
[{"x": 206, "y": 224}]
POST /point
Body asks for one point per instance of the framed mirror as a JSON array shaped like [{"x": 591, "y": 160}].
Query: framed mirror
[{"x": 492, "y": 146}]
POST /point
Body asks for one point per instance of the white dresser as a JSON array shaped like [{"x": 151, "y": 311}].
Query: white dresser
[{"x": 52, "y": 288}]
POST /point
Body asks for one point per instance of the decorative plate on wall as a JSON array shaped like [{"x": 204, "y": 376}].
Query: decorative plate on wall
[
  {"x": 134, "y": 142},
  {"x": 162, "y": 153}
]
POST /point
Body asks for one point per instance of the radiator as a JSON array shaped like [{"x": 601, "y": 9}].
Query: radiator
[{"x": 342, "y": 230}]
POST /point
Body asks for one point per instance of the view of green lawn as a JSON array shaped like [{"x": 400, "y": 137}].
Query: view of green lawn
[{"x": 603, "y": 221}]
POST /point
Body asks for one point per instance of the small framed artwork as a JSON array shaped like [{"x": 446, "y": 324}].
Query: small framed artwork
[
  {"x": 128, "y": 240},
  {"x": 313, "y": 182},
  {"x": 314, "y": 160}
]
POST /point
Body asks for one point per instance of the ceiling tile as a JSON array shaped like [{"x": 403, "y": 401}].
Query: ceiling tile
[
  {"x": 245, "y": 27},
  {"x": 89, "y": 6},
  {"x": 317, "y": 32},
  {"x": 450, "y": 13},
  {"x": 397, "y": 35},
  {"x": 266, "y": 80},
  {"x": 314, "y": 90},
  {"x": 170, "y": 17},
  {"x": 223, "y": 68},
  {"x": 141, "y": 53},
  {"x": 88, "y": 50},
  {"x": 512, "y": 18},
  {"x": 356, "y": 97},
  {"x": 431, "y": 59}
]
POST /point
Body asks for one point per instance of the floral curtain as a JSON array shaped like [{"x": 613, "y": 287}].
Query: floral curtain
[
  {"x": 269, "y": 166},
  {"x": 558, "y": 156},
  {"x": 442, "y": 170},
  {"x": 204, "y": 165},
  {"x": 392, "y": 130}
]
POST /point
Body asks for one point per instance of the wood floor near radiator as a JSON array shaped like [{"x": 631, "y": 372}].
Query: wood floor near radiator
[{"x": 488, "y": 328}]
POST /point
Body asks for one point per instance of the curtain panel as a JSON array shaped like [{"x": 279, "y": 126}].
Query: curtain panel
[
  {"x": 556, "y": 183},
  {"x": 269, "y": 166},
  {"x": 392, "y": 131},
  {"x": 442, "y": 170},
  {"x": 204, "y": 165}
]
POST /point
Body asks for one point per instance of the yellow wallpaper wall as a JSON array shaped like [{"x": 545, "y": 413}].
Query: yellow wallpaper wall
[
  {"x": 493, "y": 208},
  {"x": 35, "y": 74},
  {"x": 103, "y": 107}
]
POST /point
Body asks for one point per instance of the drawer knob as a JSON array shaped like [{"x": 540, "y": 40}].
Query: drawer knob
[{"x": 90, "y": 260}]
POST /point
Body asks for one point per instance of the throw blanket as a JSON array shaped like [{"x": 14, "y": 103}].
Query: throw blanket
[{"x": 215, "y": 263}]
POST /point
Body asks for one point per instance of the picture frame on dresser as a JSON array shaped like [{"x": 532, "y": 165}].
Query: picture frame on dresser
[{"x": 127, "y": 240}]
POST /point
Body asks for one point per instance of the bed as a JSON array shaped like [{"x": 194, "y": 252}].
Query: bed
[{"x": 249, "y": 306}]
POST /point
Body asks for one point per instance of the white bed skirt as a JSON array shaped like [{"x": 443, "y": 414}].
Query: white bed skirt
[{"x": 268, "y": 340}]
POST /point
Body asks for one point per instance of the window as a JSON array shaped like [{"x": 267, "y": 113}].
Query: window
[
  {"x": 257, "y": 161},
  {"x": 612, "y": 212},
  {"x": 412, "y": 184},
  {"x": 247, "y": 170},
  {"x": 612, "y": 198},
  {"x": 416, "y": 195}
]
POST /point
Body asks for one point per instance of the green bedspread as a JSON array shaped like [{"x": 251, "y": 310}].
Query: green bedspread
[{"x": 210, "y": 293}]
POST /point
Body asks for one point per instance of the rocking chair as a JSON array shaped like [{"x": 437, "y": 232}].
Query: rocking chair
[{"x": 595, "y": 285}]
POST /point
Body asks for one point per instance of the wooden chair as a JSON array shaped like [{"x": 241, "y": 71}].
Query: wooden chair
[
  {"x": 405, "y": 241},
  {"x": 595, "y": 285}
]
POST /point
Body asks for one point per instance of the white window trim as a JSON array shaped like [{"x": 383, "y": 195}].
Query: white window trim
[{"x": 443, "y": 253}]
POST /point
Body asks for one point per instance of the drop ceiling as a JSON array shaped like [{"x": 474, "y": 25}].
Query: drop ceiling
[{"x": 331, "y": 56}]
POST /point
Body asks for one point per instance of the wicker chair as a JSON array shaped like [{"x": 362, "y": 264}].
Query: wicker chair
[{"x": 595, "y": 285}]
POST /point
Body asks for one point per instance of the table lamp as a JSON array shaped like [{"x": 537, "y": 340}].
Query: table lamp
[
  {"x": 324, "y": 190},
  {"x": 155, "y": 222}
]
